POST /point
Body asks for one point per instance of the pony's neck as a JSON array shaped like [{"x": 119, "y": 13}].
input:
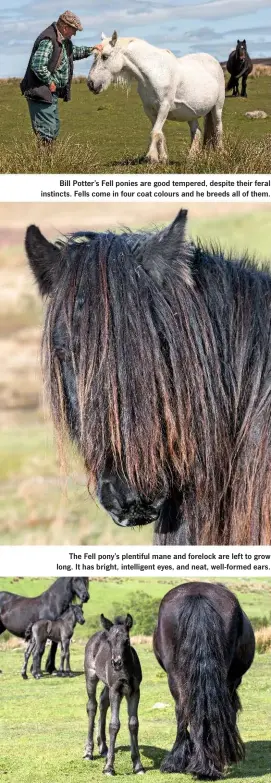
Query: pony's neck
[{"x": 131, "y": 66}]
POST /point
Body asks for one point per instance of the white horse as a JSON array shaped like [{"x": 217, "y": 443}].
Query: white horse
[{"x": 173, "y": 88}]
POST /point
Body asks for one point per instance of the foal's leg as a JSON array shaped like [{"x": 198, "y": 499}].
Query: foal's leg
[
  {"x": 28, "y": 651},
  {"x": 37, "y": 656},
  {"x": 114, "y": 727},
  {"x": 101, "y": 737},
  {"x": 195, "y": 134},
  {"x": 92, "y": 682},
  {"x": 157, "y": 151},
  {"x": 132, "y": 702}
]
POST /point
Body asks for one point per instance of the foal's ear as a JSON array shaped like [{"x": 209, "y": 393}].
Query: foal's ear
[
  {"x": 44, "y": 259},
  {"x": 107, "y": 624},
  {"x": 163, "y": 248},
  {"x": 129, "y": 621}
]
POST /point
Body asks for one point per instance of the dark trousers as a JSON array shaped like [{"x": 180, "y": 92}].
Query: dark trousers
[{"x": 44, "y": 118}]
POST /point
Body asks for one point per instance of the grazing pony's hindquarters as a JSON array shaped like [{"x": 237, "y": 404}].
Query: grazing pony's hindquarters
[
  {"x": 59, "y": 631},
  {"x": 171, "y": 88},
  {"x": 205, "y": 643},
  {"x": 239, "y": 65},
  {"x": 187, "y": 442},
  {"x": 110, "y": 658}
]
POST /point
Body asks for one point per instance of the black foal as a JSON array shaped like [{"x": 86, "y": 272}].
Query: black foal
[
  {"x": 109, "y": 657},
  {"x": 60, "y": 630}
]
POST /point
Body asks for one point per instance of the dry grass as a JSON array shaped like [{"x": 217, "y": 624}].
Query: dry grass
[
  {"x": 263, "y": 640},
  {"x": 260, "y": 70},
  {"x": 68, "y": 154}
]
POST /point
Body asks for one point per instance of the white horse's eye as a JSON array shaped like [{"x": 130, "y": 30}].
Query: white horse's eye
[{"x": 105, "y": 56}]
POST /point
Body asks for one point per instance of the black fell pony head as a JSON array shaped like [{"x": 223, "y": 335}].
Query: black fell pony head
[
  {"x": 156, "y": 356},
  {"x": 241, "y": 49},
  {"x": 109, "y": 333}
]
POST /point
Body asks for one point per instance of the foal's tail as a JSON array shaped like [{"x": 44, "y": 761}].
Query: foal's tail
[
  {"x": 28, "y": 632},
  {"x": 208, "y": 709}
]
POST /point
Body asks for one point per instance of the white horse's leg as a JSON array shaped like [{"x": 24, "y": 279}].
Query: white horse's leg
[
  {"x": 195, "y": 133},
  {"x": 218, "y": 128},
  {"x": 157, "y": 152}
]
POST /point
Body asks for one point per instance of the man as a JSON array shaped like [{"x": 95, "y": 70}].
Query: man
[{"x": 49, "y": 74}]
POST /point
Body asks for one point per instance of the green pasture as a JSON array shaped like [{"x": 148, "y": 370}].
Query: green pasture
[
  {"x": 43, "y": 723},
  {"x": 110, "y": 133},
  {"x": 117, "y": 596},
  {"x": 39, "y": 503}
]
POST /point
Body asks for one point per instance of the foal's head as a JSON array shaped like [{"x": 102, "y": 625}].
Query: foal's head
[
  {"x": 78, "y": 614},
  {"x": 118, "y": 638}
]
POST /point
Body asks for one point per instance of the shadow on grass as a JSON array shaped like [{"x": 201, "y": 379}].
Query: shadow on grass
[
  {"x": 155, "y": 755},
  {"x": 256, "y": 764}
]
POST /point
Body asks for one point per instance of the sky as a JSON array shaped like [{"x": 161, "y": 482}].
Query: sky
[{"x": 183, "y": 26}]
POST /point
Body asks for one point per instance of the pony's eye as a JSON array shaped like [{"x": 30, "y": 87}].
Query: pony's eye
[{"x": 104, "y": 56}]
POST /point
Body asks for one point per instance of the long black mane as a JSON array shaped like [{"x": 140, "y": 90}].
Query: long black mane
[{"x": 156, "y": 354}]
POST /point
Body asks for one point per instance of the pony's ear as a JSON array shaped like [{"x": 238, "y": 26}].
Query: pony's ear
[
  {"x": 163, "y": 248},
  {"x": 44, "y": 259},
  {"x": 129, "y": 621},
  {"x": 114, "y": 39},
  {"x": 107, "y": 624}
]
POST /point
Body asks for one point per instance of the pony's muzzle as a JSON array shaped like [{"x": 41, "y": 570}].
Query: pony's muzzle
[{"x": 92, "y": 87}]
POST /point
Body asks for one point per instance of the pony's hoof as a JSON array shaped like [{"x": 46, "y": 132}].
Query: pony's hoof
[
  {"x": 103, "y": 752},
  {"x": 109, "y": 772},
  {"x": 152, "y": 161},
  {"x": 37, "y": 676},
  {"x": 88, "y": 756},
  {"x": 24, "y": 676},
  {"x": 139, "y": 771}
]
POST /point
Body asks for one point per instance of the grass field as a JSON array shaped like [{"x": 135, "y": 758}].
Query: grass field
[
  {"x": 43, "y": 723},
  {"x": 36, "y": 505},
  {"x": 110, "y": 133}
]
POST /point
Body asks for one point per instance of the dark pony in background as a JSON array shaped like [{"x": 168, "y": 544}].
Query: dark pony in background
[
  {"x": 17, "y": 612},
  {"x": 239, "y": 66},
  {"x": 205, "y": 643},
  {"x": 157, "y": 361}
]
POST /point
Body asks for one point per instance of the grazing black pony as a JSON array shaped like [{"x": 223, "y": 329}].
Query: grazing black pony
[
  {"x": 110, "y": 658},
  {"x": 157, "y": 361},
  {"x": 239, "y": 65},
  {"x": 60, "y": 630},
  {"x": 18, "y": 612},
  {"x": 205, "y": 643}
]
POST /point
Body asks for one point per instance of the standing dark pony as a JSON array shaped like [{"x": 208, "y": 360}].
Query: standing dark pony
[
  {"x": 157, "y": 360},
  {"x": 110, "y": 658},
  {"x": 18, "y": 612},
  {"x": 239, "y": 65},
  {"x": 205, "y": 643}
]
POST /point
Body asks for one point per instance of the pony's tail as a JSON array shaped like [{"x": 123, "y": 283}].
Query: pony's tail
[
  {"x": 209, "y": 709},
  {"x": 28, "y": 632}
]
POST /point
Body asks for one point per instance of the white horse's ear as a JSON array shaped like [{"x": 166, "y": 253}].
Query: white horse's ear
[
  {"x": 164, "y": 249},
  {"x": 114, "y": 38},
  {"x": 103, "y": 37}
]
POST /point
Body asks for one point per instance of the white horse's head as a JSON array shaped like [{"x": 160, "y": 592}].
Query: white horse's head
[{"x": 107, "y": 65}]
